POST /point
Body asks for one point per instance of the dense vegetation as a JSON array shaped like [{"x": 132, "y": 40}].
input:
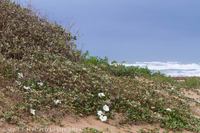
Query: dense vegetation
[{"x": 44, "y": 77}]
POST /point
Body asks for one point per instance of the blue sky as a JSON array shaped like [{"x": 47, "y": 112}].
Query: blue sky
[{"x": 131, "y": 30}]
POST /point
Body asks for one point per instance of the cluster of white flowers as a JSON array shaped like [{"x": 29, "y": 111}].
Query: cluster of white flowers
[
  {"x": 32, "y": 111},
  {"x": 106, "y": 108},
  {"x": 56, "y": 102},
  {"x": 20, "y": 76},
  {"x": 102, "y": 115},
  {"x": 101, "y": 95}
]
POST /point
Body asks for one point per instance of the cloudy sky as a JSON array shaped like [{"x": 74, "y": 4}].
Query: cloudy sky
[{"x": 131, "y": 30}]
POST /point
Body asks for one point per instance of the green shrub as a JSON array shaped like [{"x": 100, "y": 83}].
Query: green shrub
[
  {"x": 175, "y": 120},
  {"x": 192, "y": 82},
  {"x": 91, "y": 130},
  {"x": 159, "y": 77},
  {"x": 122, "y": 70},
  {"x": 115, "y": 68}
]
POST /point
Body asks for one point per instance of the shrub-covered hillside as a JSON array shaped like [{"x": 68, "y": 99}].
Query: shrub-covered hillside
[{"x": 44, "y": 78}]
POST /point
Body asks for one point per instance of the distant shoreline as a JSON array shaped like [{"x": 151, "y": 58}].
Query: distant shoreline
[{"x": 173, "y": 69}]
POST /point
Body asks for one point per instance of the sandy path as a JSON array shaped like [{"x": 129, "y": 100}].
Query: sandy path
[
  {"x": 194, "y": 103},
  {"x": 70, "y": 124}
]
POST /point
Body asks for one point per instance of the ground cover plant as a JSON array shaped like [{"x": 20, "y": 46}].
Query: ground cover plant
[{"x": 44, "y": 78}]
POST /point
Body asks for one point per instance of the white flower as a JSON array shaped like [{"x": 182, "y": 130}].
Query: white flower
[
  {"x": 168, "y": 109},
  {"x": 27, "y": 87},
  {"x": 57, "y": 102},
  {"x": 40, "y": 83},
  {"x": 103, "y": 118},
  {"x": 172, "y": 88},
  {"x": 99, "y": 113},
  {"x": 101, "y": 95},
  {"x": 18, "y": 82},
  {"x": 20, "y": 75},
  {"x": 106, "y": 108},
  {"x": 32, "y": 111}
]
